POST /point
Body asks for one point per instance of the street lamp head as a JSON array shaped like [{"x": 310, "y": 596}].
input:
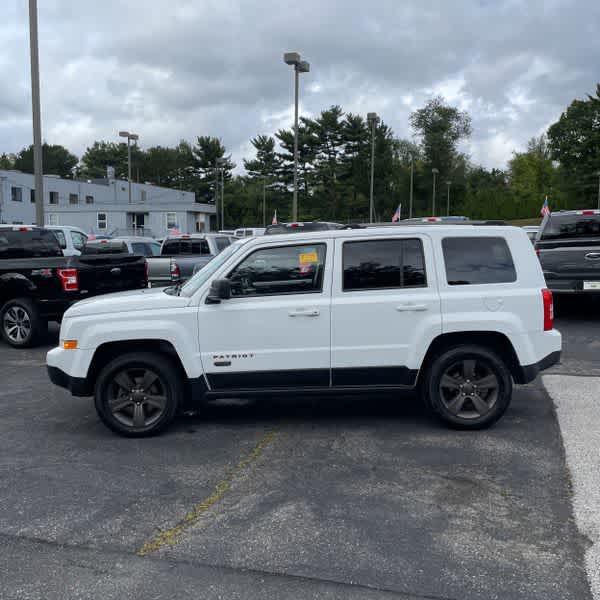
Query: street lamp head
[
  {"x": 448, "y": 183},
  {"x": 434, "y": 170},
  {"x": 124, "y": 133},
  {"x": 134, "y": 136},
  {"x": 372, "y": 117},
  {"x": 291, "y": 58},
  {"x": 303, "y": 67}
]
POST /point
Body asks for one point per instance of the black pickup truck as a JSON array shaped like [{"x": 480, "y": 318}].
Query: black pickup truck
[
  {"x": 38, "y": 283},
  {"x": 568, "y": 246}
]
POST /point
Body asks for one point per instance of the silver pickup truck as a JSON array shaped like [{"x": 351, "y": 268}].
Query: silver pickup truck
[{"x": 180, "y": 254}]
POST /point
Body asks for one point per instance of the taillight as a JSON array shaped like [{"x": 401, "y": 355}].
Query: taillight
[
  {"x": 548, "y": 310},
  {"x": 175, "y": 272},
  {"x": 146, "y": 270},
  {"x": 68, "y": 279}
]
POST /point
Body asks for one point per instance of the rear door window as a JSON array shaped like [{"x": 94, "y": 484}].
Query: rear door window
[
  {"x": 383, "y": 264},
  {"x": 478, "y": 260},
  {"x": 222, "y": 243},
  {"x": 78, "y": 240},
  {"x": 170, "y": 248}
]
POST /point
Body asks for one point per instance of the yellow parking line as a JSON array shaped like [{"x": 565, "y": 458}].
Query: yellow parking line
[{"x": 171, "y": 536}]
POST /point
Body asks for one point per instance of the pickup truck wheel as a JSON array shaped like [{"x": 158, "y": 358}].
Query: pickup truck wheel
[
  {"x": 137, "y": 394},
  {"x": 20, "y": 323},
  {"x": 468, "y": 387}
]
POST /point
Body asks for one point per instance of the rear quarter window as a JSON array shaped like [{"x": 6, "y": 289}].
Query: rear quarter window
[
  {"x": 478, "y": 260},
  {"x": 30, "y": 243}
]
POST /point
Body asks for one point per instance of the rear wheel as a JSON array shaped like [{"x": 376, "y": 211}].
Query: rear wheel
[
  {"x": 137, "y": 394},
  {"x": 20, "y": 323},
  {"x": 468, "y": 387}
]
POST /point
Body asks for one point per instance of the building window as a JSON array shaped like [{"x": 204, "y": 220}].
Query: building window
[
  {"x": 73, "y": 199},
  {"x": 16, "y": 194},
  {"x": 89, "y": 199},
  {"x": 171, "y": 220},
  {"x": 143, "y": 195},
  {"x": 32, "y": 196},
  {"x": 102, "y": 221},
  {"x": 53, "y": 197},
  {"x": 52, "y": 219}
]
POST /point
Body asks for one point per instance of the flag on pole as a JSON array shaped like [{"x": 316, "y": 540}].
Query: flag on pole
[
  {"x": 274, "y": 221},
  {"x": 397, "y": 214},
  {"x": 545, "y": 208},
  {"x": 91, "y": 236}
]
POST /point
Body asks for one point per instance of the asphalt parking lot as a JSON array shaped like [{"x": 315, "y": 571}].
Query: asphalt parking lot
[{"x": 348, "y": 498}]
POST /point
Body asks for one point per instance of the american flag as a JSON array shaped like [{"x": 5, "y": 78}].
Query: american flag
[
  {"x": 545, "y": 208},
  {"x": 397, "y": 214},
  {"x": 274, "y": 221}
]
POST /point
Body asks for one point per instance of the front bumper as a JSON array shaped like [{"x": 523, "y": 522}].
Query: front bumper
[
  {"x": 527, "y": 373},
  {"x": 78, "y": 386}
]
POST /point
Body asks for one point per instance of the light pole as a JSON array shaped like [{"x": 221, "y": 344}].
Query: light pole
[
  {"x": 36, "y": 114},
  {"x": 448, "y": 183},
  {"x": 130, "y": 136},
  {"x": 264, "y": 207},
  {"x": 410, "y": 203},
  {"x": 372, "y": 120},
  {"x": 435, "y": 172},
  {"x": 300, "y": 66},
  {"x": 598, "y": 190},
  {"x": 222, "y": 162}
]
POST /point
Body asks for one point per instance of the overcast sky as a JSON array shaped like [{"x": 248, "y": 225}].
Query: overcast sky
[{"x": 172, "y": 69}]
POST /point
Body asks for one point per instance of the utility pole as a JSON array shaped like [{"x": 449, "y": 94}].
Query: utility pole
[
  {"x": 222, "y": 197},
  {"x": 38, "y": 167},
  {"x": 217, "y": 193},
  {"x": 448, "y": 183},
  {"x": 598, "y": 190},
  {"x": 435, "y": 172},
  {"x": 129, "y": 136},
  {"x": 372, "y": 119},
  {"x": 410, "y": 203}
]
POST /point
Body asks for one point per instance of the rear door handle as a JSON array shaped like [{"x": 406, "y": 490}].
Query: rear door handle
[
  {"x": 314, "y": 312},
  {"x": 411, "y": 307}
]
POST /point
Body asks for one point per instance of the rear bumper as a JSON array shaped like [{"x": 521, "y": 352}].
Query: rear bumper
[
  {"x": 570, "y": 286},
  {"x": 78, "y": 386},
  {"x": 527, "y": 373}
]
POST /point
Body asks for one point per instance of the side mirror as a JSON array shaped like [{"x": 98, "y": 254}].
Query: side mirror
[{"x": 220, "y": 289}]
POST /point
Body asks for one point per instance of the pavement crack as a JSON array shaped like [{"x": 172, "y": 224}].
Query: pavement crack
[{"x": 172, "y": 535}]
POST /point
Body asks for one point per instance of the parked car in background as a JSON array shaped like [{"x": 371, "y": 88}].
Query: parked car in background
[
  {"x": 181, "y": 253},
  {"x": 249, "y": 231},
  {"x": 568, "y": 246},
  {"x": 531, "y": 231},
  {"x": 458, "y": 313},
  {"x": 38, "y": 283},
  {"x": 301, "y": 226},
  {"x": 227, "y": 231},
  {"x": 71, "y": 239},
  {"x": 143, "y": 246},
  {"x": 446, "y": 219}
]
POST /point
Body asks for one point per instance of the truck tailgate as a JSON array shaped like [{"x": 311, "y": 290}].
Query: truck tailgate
[
  {"x": 578, "y": 259},
  {"x": 105, "y": 273}
]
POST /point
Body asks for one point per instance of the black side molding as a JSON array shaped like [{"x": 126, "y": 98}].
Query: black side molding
[{"x": 527, "y": 373}]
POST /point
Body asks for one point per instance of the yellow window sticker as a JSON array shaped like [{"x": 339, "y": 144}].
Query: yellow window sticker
[{"x": 308, "y": 258}]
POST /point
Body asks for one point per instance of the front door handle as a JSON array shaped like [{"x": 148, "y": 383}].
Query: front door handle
[
  {"x": 411, "y": 307},
  {"x": 314, "y": 312}
]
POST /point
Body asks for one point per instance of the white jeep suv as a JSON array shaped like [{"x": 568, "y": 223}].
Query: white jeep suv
[{"x": 458, "y": 312}]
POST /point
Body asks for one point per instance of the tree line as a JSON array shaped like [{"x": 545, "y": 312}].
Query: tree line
[{"x": 334, "y": 167}]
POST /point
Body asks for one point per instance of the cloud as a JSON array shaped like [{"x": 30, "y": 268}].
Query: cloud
[{"x": 181, "y": 68}]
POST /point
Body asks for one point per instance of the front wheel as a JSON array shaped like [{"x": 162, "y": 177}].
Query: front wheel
[
  {"x": 468, "y": 387},
  {"x": 137, "y": 394}
]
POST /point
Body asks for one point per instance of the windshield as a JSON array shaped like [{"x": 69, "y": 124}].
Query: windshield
[{"x": 198, "y": 280}]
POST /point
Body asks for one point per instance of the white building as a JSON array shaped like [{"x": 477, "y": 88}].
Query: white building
[{"x": 102, "y": 206}]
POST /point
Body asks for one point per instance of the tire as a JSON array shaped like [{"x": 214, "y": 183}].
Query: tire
[
  {"x": 124, "y": 383},
  {"x": 20, "y": 323},
  {"x": 468, "y": 387}
]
